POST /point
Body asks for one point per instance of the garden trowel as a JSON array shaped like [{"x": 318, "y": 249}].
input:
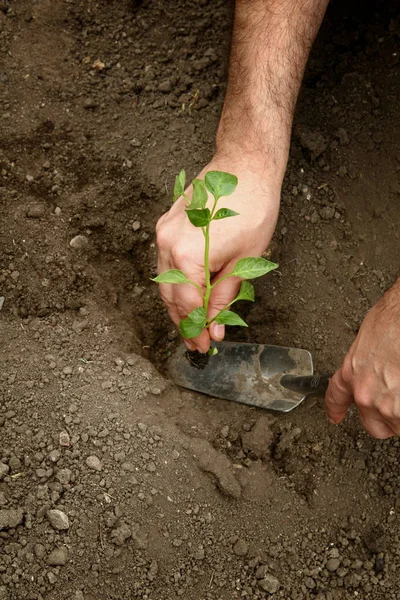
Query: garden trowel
[{"x": 273, "y": 377}]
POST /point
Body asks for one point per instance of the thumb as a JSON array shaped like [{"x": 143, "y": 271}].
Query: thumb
[
  {"x": 221, "y": 296},
  {"x": 338, "y": 398}
]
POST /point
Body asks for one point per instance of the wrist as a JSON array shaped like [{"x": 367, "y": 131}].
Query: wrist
[{"x": 263, "y": 152}]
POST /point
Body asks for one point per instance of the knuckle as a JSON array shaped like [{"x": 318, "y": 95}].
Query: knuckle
[
  {"x": 163, "y": 236},
  {"x": 347, "y": 369},
  {"x": 386, "y": 411},
  {"x": 179, "y": 254},
  {"x": 396, "y": 409},
  {"x": 335, "y": 388},
  {"x": 363, "y": 397}
]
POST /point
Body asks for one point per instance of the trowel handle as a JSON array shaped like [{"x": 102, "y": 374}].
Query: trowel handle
[{"x": 306, "y": 384}]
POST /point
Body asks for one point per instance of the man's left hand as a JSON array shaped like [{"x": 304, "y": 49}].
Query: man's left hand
[{"x": 370, "y": 374}]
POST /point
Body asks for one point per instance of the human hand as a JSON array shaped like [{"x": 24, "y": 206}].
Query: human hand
[
  {"x": 181, "y": 246},
  {"x": 370, "y": 374}
]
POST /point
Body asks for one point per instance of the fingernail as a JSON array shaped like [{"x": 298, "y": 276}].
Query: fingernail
[
  {"x": 189, "y": 345},
  {"x": 219, "y": 331}
]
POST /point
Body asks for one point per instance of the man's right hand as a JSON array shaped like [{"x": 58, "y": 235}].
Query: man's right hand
[{"x": 181, "y": 245}]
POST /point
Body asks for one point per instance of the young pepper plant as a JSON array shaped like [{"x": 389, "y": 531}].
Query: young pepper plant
[{"x": 218, "y": 184}]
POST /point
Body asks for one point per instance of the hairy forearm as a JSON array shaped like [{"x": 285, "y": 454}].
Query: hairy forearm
[{"x": 270, "y": 46}]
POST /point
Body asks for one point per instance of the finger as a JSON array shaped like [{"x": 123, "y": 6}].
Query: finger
[
  {"x": 185, "y": 299},
  {"x": 374, "y": 424},
  {"x": 221, "y": 296},
  {"x": 387, "y": 407},
  {"x": 338, "y": 398},
  {"x": 180, "y": 303}
]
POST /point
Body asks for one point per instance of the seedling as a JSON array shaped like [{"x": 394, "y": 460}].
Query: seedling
[{"x": 218, "y": 184}]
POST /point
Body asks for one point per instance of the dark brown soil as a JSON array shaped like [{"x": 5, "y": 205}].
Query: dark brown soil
[
  {"x": 101, "y": 104},
  {"x": 197, "y": 359}
]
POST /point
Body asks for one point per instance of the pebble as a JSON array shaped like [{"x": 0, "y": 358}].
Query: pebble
[
  {"x": 269, "y": 584},
  {"x": 15, "y": 464},
  {"x": 58, "y": 557},
  {"x": 90, "y": 103},
  {"x": 10, "y": 518},
  {"x": 52, "y": 577},
  {"x": 333, "y": 564},
  {"x": 136, "y": 225},
  {"x": 224, "y": 431},
  {"x": 54, "y": 456},
  {"x": 64, "y": 476},
  {"x": 135, "y": 143},
  {"x": 40, "y": 551},
  {"x": 261, "y": 571},
  {"x": 79, "y": 242},
  {"x": 121, "y": 534},
  {"x": 165, "y": 86},
  {"x": 4, "y": 470},
  {"x": 94, "y": 463},
  {"x": 240, "y": 548},
  {"x": 36, "y": 211},
  {"x": 58, "y": 520},
  {"x": 153, "y": 570},
  {"x": 64, "y": 439},
  {"x": 327, "y": 213},
  {"x": 309, "y": 582}
]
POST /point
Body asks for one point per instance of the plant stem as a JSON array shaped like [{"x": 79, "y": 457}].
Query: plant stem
[
  {"x": 221, "y": 279},
  {"x": 207, "y": 267},
  {"x": 225, "y": 307},
  {"x": 206, "y": 232}
]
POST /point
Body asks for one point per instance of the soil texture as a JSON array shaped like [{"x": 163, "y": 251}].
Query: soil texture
[{"x": 114, "y": 483}]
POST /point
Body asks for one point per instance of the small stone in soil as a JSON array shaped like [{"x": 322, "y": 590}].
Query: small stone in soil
[
  {"x": 58, "y": 519},
  {"x": 94, "y": 463},
  {"x": 78, "y": 242},
  {"x": 58, "y": 557},
  {"x": 10, "y": 518},
  {"x": 65, "y": 439},
  {"x": 240, "y": 548},
  {"x": 4, "y": 469},
  {"x": 269, "y": 584}
]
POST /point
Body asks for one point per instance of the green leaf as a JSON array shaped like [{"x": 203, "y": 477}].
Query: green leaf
[
  {"x": 198, "y": 316},
  {"x": 223, "y": 213},
  {"x": 199, "y": 217},
  {"x": 172, "y": 276},
  {"x": 200, "y": 196},
  {"x": 227, "y": 317},
  {"x": 220, "y": 183},
  {"x": 252, "y": 267},
  {"x": 179, "y": 186},
  {"x": 189, "y": 329},
  {"x": 213, "y": 351},
  {"x": 246, "y": 292}
]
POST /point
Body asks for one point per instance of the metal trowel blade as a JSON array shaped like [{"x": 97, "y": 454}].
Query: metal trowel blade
[{"x": 245, "y": 373}]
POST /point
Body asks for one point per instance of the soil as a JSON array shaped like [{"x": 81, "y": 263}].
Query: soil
[{"x": 114, "y": 483}]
